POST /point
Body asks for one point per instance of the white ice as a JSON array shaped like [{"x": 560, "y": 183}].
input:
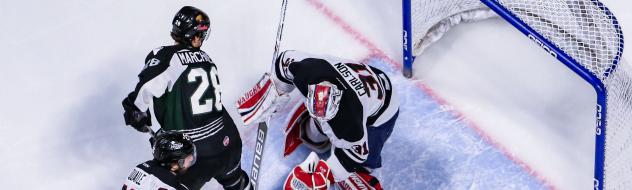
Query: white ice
[{"x": 68, "y": 64}]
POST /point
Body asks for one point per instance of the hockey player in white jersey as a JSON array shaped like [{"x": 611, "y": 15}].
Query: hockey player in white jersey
[
  {"x": 349, "y": 109},
  {"x": 182, "y": 83},
  {"x": 174, "y": 153}
]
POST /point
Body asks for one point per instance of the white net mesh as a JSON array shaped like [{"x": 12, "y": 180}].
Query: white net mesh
[
  {"x": 589, "y": 34},
  {"x": 432, "y": 18},
  {"x": 581, "y": 28},
  {"x": 584, "y": 30},
  {"x": 618, "y": 164}
]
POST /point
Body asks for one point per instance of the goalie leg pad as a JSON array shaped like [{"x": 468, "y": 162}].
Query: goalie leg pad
[{"x": 360, "y": 181}]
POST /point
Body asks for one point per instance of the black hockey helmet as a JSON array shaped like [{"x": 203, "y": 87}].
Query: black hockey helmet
[
  {"x": 171, "y": 146},
  {"x": 189, "y": 22}
]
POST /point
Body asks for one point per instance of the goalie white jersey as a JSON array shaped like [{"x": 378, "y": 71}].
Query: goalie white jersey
[{"x": 367, "y": 103}]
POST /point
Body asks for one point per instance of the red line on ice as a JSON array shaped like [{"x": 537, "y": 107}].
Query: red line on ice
[{"x": 378, "y": 53}]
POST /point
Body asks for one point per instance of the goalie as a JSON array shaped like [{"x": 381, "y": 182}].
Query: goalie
[{"x": 349, "y": 108}]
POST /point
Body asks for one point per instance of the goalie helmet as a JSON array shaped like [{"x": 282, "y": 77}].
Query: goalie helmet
[
  {"x": 323, "y": 100},
  {"x": 190, "y": 22},
  {"x": 170, "y": 147}
]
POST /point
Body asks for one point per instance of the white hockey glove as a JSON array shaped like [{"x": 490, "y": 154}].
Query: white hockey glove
[
  {"x": 260, "y": 102},
  {"x": 312, "y": 174}
]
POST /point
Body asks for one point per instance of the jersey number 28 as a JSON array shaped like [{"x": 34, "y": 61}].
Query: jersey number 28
[{"x": 197, "y": 104}]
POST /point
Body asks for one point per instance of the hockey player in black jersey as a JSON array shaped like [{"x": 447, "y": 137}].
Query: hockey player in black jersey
[
  {"x": 174, "y": 153},
  {"x": 349, "y": 109},
  {"x": 183, "y": 84}
]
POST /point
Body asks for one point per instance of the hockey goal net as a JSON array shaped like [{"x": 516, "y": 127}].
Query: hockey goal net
[{"x": 583, "y": 34}]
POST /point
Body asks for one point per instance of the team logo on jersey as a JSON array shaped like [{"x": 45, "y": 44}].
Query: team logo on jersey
[
  {"x": 152, "y": 62},
  {"x": 226, "y": 141}
]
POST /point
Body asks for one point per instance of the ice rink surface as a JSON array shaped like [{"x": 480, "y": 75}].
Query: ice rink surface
[
  {"x": 488, "y": 108},
  {"x": 435, "y": 150}
]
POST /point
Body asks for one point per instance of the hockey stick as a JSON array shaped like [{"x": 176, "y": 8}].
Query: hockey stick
[
  {"x": 262, "y": 130},
  {"x": 151, "y": 131},
  {"x": 152, "y": 139}
]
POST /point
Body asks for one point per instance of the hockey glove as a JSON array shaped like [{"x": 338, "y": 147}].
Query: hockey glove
[
  {"x": 260, "y": 102},
  {"x": 136, "y": 118},
  {"x": 312, "y": 174}
]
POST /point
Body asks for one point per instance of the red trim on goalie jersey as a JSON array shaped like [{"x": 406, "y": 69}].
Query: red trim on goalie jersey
[{"x": 376, "y": 52}]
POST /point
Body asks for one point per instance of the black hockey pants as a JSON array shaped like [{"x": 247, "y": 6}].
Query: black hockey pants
[{"x": 225, "y": 167}]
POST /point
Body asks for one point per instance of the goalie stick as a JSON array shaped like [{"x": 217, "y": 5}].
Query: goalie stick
[
  {"x": 262, "y": 131},
  {"x": 250, "y": 109}
]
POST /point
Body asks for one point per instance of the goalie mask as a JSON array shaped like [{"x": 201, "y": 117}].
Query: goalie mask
[{"x": 323, "y": 100}]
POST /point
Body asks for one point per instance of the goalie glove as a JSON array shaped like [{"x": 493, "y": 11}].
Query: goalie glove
[
  {"x": 260, "y": 102},
  {"x": 312, "y": 174}
]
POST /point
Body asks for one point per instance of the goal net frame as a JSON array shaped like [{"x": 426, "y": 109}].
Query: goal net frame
[{"x": 598, "y": 80}]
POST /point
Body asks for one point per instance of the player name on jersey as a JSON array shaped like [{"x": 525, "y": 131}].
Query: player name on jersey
[
  {"x": 189, "y": 57},
  {"x": 136, "y": 176},
  {"x": 349, "y": 77}
]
